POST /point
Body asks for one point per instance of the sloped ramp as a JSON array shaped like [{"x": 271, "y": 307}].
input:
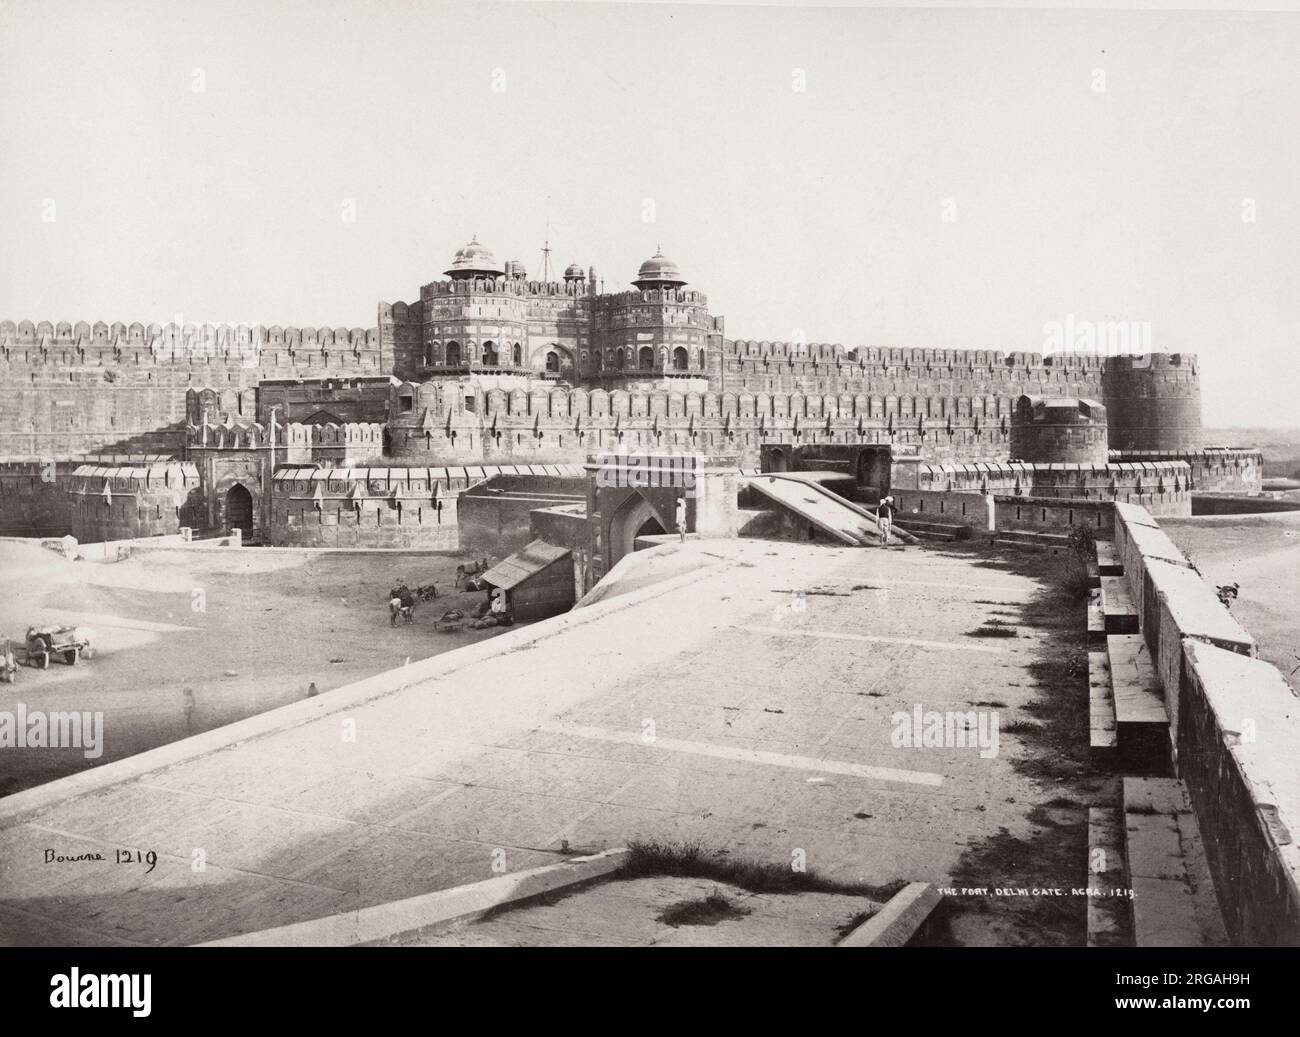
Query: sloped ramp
[{"x": 829, "y": 512}]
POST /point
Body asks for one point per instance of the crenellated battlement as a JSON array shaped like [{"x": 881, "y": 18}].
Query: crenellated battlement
[
  {"x": 174, "y": 341},
  {"x": 909, "y": 359},
  {"x": 507, "y": 286},
  {"x": 1224, "y": 470},
  {"x": 253, "y": 435},
  {"x": 1173, "y": 364},
  {"x": 617, "y": 300}
]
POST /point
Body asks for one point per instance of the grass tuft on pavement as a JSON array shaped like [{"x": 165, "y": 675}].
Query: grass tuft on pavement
[
  {"x": 708, "y": 910},
  {"x": 688, "y": 859}
]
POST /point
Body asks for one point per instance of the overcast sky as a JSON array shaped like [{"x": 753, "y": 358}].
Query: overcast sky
[{"x": 927, "y": 178}]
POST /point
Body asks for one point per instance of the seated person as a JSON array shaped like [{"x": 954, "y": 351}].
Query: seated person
[{"x": 501, "y": 608}]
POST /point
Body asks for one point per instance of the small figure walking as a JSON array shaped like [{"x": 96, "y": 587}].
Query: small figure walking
[
  {"x": 681, "y": 517},
  {"x": 885, "y": 518}
]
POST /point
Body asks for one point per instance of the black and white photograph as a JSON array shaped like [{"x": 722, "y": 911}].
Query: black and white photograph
[{"x": 563, "y": 476}]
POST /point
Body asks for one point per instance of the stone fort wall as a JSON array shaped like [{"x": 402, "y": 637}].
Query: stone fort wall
[
  {"x": 408, "y": 507},
  {"x": 68, "y": 390},
  {"x": 98, "y": 502},
  {"x": 1242, "y": 788},
  {"x": 458, "y": 421},
  {"x": 1226, "y": 470}
]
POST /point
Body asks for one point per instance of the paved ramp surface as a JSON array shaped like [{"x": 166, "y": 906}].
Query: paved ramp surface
[
  {"x": 721, "y": 705},
  {"x": 828, "y": 511}
]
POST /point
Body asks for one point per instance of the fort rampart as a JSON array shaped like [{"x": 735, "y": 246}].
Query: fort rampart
[
  {"x": 1227, "y": 470},
  {"x": 95, "y": 502},
  {"x": 69, "y": 390},
  {"x": 381, "y": 506},
  {"x": 1234, "y": 729}
]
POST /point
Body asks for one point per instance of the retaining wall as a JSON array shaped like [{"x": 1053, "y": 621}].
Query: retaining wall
[
  {"x": 1232, "y": 470},
  {"x": 495, "y": 516},
  {"x": 383, "y": 507},
  {"x": 31, "y": 502},
  {"x": 1011, "y": 512},
  {"x": 1238, "y": 744}
]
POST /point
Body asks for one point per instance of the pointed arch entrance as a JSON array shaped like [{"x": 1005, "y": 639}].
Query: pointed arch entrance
[
  {"x": 239, "y": 508},
  {"x": 635, "y": 517}
]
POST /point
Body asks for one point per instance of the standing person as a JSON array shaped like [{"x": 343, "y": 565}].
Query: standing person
[
  {"x": 885, "y": 518},
  {"x": 8, "y": 663},
  {"x": 681, "y": 517}
]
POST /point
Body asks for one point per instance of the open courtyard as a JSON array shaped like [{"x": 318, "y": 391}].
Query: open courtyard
[{"x": 186, "y": 641}]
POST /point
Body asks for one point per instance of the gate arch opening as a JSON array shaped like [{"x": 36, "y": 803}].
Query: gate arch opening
[
  {"x": 239, "y": 508},
  {"x": 635, "y": 517}
]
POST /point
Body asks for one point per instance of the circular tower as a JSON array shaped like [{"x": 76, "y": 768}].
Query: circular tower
[
  {"x": 1047, "y": 429},
  {"x": 1154, "y": 402}
]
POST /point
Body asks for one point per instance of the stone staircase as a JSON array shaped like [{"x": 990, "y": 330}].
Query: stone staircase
[
  {"x": 935, "y": 530},
  {"x": 1150, "y": 842},
  {"x": 1029, "y": 538}
]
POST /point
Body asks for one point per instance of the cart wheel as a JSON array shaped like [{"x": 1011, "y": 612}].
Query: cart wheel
[
  {"x": 41, "y": 660},
  {"x": 70, "y": 657}
]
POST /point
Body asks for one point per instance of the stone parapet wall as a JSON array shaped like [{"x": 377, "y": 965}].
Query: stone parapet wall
[
  {"x": 1161, "y": 486},
  {"x": 494, "y": 516},
  {"x": 1234, "y": 731},
  {"x": 381, "y": 507},
  {"x": 125, "y": 502},
  {"x": 459, "y": 419},
  {"x": 1010, "y": 512},
  {"x": 1238, "y": 743},
  {"x": 371, "y": 527},
  {"x": 1229, "y": 470},
  {"x": 32, "y": 504},
  {"x": 96, "y": 502}
]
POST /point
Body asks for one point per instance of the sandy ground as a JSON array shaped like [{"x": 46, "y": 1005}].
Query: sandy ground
[
  {"x": 1261, "y": 553},
  {"x": 190, "y": 640}
]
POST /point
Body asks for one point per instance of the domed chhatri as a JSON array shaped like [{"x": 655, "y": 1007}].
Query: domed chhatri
[
  {"x": 659, "y": 272},
  {"x": 474, "y": 260},
  {"x": 573, "y": 272}
]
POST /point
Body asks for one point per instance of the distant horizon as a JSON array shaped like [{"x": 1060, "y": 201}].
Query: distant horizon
[{"x": 1253, "y": 428}]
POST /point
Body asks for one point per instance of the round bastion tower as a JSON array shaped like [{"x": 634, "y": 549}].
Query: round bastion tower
[
  {"x": 1058, "y": 429},
  {"x": 1153, "y": 402}
]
